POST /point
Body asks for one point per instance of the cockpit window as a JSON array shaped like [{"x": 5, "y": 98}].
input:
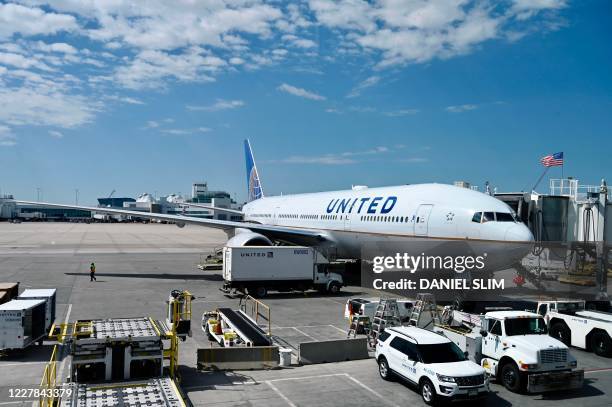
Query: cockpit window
[
  {"x": 488, "y": 217},
  {"x": 504, "y": 217},
  {"x": 477, "y": 217}
]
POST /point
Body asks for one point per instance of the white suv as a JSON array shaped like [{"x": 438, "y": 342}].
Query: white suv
[{"x": 432, "y": 362}]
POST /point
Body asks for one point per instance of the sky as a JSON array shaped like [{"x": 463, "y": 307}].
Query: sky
[{"x": 103, "y": 95}]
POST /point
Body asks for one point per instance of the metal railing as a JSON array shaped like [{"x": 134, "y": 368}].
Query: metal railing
[
  {"x": 48, "y": 393},
  {"x": 256, "y": 309},
  {"x": 572, "y": 188}
]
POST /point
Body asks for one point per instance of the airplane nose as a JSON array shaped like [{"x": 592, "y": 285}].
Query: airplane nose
[{"x": 518, "y": 232}]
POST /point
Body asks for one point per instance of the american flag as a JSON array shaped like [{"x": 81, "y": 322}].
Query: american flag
[{"x": 553, "y": 160}]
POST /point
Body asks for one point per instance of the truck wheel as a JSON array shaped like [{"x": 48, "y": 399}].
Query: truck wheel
[
  {"x": 561, "y": 332},
  {"x": 334, "y": 288},
  {"x": 428, "y": 392},
  {"x": 383, "y": 369},
  {"x": 258, "y": 292},
  {"x": 601, "y": 344},
  {"x": 511, "y": 377}
]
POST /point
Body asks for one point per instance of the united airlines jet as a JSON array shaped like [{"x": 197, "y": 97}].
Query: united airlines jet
[{"x": 431, "y": 219}]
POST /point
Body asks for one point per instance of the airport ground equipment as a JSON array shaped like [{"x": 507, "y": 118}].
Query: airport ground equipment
[
  {"x": 120, "y": 361},
  {"x": 367, "y": 307},
  {"x": 22, "y": 323},
  {"x": 8, "y": 291},
  {"x": 569, "y": 322},
  {"x": 154, "y": 392},
  {"x": 425, "y": 312},
  {"x": 230, "y": 327},
  {"x": 431, "y": 362},
  {"x": 387, "y": 315},
  {"x": 257, "y": 269},
  {"x": 513, "y": 347},
  {"x": 47, "y": 294},
  {"x": 178, "y": 316}
]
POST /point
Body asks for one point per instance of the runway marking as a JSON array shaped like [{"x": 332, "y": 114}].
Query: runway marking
[
  {"x": 62, "y": 365},
  {"x": 277, "y": 391}
]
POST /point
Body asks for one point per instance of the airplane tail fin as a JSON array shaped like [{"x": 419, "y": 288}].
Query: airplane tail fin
[{"x": 255, "y": 190}]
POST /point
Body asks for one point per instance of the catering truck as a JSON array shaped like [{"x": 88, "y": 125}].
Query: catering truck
[
  {"x": 513, "y": 347},
  {"x": 257, "y": 269},
  {"x": 569, "y": 322}
]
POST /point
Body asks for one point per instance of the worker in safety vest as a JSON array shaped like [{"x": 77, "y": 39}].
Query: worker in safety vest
[{"x": 92, "y": 272}]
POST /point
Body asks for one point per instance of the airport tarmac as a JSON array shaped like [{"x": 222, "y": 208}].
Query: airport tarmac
[{"x": 137, "y": 267}]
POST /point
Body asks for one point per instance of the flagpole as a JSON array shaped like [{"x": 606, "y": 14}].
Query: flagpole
[{"x": 540, "y": 179}]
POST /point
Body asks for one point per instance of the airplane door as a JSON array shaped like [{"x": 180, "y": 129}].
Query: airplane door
[
  {"x": 421, "y": 222},
  {"x": 347, "y": 222}
]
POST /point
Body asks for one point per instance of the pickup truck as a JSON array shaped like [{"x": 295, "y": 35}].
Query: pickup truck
[
  {"x": 513, "y": 347},
  {"x": 432, "y": 363},
  {"x": 569, "y": 322}
]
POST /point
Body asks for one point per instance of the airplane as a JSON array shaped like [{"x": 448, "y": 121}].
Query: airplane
[{"x": 362, "y": 222}]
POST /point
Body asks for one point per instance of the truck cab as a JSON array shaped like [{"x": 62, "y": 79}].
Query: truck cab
[
  {"x": 569, "y": 322},
  {"x": 516, "y": 350},
  {"x": 431, "y": 362}
]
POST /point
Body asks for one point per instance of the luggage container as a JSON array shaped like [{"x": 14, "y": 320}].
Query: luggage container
[
  {"x": 49, "y": 296},
  {"x": 8, "y": 291},
  {"x": 22, "y": 322}
]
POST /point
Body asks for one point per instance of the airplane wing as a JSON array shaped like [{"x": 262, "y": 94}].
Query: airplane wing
[
  {"x": 292, "y": 235},
  {"x": 213, "y": 208}
]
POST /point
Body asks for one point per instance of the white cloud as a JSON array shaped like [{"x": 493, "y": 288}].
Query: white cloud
[
  {"x": 152, "y": 124},
  {"x": 7, "y": 138},
  {"x": 126, "y": 99},
  {"x": 56, "y": 134},
  {"x": 344, "y": 158},
  {"x": 220, "y": 104},
  {"x": 15, "y": 18},
  {"x": 367, "y": 83},
  {"x": 402, "y": 112},
  {"x": 42, "y": 106},
  {"x": 461, "y": 108},
  {"x": 185, "y": 132},
  {"x": 300, "y": 92},
  {"x": 403, "y": 32}
]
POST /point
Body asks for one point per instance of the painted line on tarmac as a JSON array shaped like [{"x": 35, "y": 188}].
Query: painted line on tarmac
[
  {"x": 277, "y": 391},
  {"x": 304, "y": 333},
  {"x": 348, "y": 376},
  {"x": 374, "y": 392},
  {"x": 63, "y": 364},
  {"x": 21, "y": 364},
  {"x": 598, "y": 370}
]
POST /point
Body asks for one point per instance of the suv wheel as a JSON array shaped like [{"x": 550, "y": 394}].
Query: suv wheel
[
  {"x": 511, "y": 377},
  {"x": 428, "y": 392},
  {"x": 383, "y": 369}
]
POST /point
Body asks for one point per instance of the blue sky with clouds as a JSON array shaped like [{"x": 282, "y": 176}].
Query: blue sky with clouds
[{"x": 151, "y": 96}]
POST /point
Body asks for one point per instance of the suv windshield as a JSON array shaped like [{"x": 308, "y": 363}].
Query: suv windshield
[
  {"x": 525, "y": 326},
  {"x": 440, "y": 353}
]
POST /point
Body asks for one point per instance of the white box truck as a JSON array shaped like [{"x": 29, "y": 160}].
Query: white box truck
[
  {"x": 257, "y": 269},
  {"x": 22, "y": 323},
  {"x": 46, "y": 294},
  {"x": 513, "y": 347},
  {"x": 569, "y": 322}
]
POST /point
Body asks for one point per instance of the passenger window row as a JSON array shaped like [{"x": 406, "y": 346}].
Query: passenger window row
[{"x": 400, "y": 219}]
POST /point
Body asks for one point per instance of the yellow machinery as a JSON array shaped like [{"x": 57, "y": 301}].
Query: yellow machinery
[{"x": 137, "y": 330}]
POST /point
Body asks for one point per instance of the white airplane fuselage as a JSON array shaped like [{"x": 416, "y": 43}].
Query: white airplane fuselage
[{"x": 434, "y": 219}]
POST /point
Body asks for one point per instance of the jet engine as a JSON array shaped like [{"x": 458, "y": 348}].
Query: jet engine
[{"x": 245, "y": 237}]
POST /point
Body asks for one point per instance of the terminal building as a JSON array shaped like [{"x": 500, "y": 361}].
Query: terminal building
[{"x": 172, "y": 204}]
